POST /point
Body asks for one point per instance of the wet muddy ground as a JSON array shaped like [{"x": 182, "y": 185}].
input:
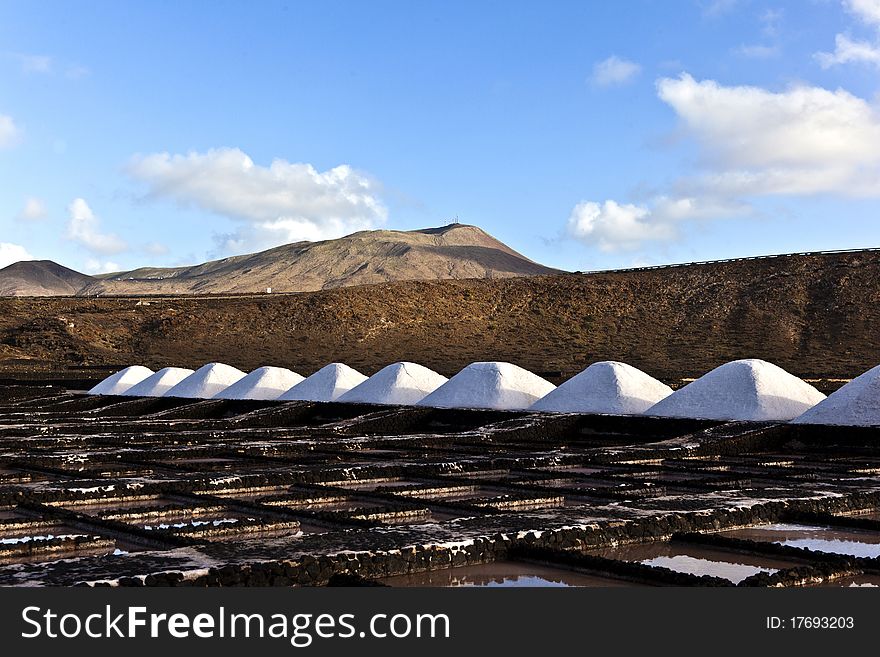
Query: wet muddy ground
[{"x": 130, "y": 492}]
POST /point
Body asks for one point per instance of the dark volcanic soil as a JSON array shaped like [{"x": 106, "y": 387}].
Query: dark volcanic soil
[{"x": 817, "y": 316}]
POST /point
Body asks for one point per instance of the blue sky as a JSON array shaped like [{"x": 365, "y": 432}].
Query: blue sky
[{"x": 587, "y": 135}]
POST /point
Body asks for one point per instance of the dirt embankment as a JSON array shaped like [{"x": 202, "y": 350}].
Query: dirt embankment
[{"x": 817, "y": 316}]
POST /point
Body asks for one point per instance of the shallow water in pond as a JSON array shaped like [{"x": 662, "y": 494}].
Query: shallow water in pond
[
  {"x": 503, "y": 574},
  {"x": 852, "y": 542},
  {"x": 853, "y": 581},
  {"x": 696, "y": 560}
]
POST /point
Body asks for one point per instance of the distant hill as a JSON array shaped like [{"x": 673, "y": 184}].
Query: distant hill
[
  {"x": 40, "y": 278},
  {"x": 455, "y": 251},
  {"x": 376, "y": 256}
]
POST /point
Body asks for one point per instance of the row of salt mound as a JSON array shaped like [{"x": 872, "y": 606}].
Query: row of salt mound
[
  {"x": 118, "y": 383},
  {"x": 397, "y": 384},
  {"x": 206, "y": 381},
  {"x": 748, "y": 389},
  {"x": 605, "y": 387},
  {"x": 159, "y": 383},
  {"x": 856, "y": 404},
  {"x": 494, "y": 385},
  {"x": 265, "y": 383},
  {"x": 327, "y": 384},
  {"x": 219, "y": 381},
  {"x": 740, "y": 390}
]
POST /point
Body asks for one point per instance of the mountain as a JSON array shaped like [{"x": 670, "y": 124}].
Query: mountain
[
  {"x": 40, "y": 278},
  {"x": 376, "y": 256}
]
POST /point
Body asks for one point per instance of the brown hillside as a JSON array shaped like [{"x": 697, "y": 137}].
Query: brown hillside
[
  {"x": 815, "y": 315},
  {"x": 38, "y": 278},
  {"x": 376, "y": 256}
]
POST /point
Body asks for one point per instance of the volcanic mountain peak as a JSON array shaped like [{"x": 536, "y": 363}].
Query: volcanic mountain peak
[
  {"x": 40, "y": 278},
  {"x": 454, "y": 251}
]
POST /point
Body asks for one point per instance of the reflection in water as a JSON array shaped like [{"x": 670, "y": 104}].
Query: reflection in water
[
  {"x": 851, "y": 542},
  {"x": 734, "y": 572},
  {"x": 696, "y": 560},
  {"x": 503, "y": 574},
  {"x": 854, "y": 581},
  {"x": 515, "y": 580}
]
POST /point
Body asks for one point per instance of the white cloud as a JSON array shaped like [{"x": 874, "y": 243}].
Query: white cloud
[
  {"x": 753, "y": 143},
  {"x": 10, "y": 253},
  {"x": 34, "y": 209},
  {"x": 34, "y": 63},
  {"x": 757, "y": 51},
  {"x": 770, "y": 20},
  {"x": 847, "y": 51},
  {"x": 805, "y": 140},
  {"x": 284, "y": 202},
  {"x": 85, "y": 229},
  {"x": 612, "y": 226},
  {"x": 95, "y": 266},
  {"x": 713, "y": 8},
  {"x": 850, "y": 51},
  {"x": 614, "y": 70},
  {"x": 9, "y": 132},
  {"x": 867, "y": 11}
]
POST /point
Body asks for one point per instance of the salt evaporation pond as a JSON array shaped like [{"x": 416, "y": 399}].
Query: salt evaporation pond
[
  {"x": 503, "y": 574},
  {"x": 159, "y": 383},
  {"x": 605, "y": 387},
  {"x": 206, "y": 381},
  {"x": 327, "y": 384},
  {"x": 696, "y": 560},
  {"x": 748, "y": 389},
  {"x": 266, "y": 383},
  {"x": 493, "y": 385},
  {"x": 119, "y": 382},
  {"x": 398, "y": 384},
  {"x": 856, "y": 404},
  {"x": 835, "y": 540}
]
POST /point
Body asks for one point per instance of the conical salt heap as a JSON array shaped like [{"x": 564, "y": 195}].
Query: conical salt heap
[
  {"x": 857, "y": 404},
  {"x": 118, "y": 383},
  {"x": 605, "y": 387},
  {"x": 741, "y": 390},
  {"x": 494, "y": 385},
  {"x": 327, "y": 384},
  {"x": 263, "y": 383},
  {"x": 159, "y": 383},
  {"x": 399, "y": 383},
  {"x": 206, "y": 381}
]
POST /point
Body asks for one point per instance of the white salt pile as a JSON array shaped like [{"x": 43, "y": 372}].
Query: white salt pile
[
  {"x": 742, "y": 390},
  {"x": 262, "y": 383},
  {"x": 399, "y": 383},
  {"x": 857, "y": 404},
  {"x": 495, "y": 385},
  {"x": 117, "y": 383},
  {"x": 206, "y": 381},
  {"x": 327, "y": 384},
  {"x": 605, "y": 387},
  {"x": 159, "y": 383}
]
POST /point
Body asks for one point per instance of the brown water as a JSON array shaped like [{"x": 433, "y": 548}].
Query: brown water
[
  {"x": 503, "y": 574},
  {"x": 696, "y": 560},
  {"x": 851, "y": 542},
  {"x": 854, "y": 581},
  {"x": 371, "y": 484}
]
